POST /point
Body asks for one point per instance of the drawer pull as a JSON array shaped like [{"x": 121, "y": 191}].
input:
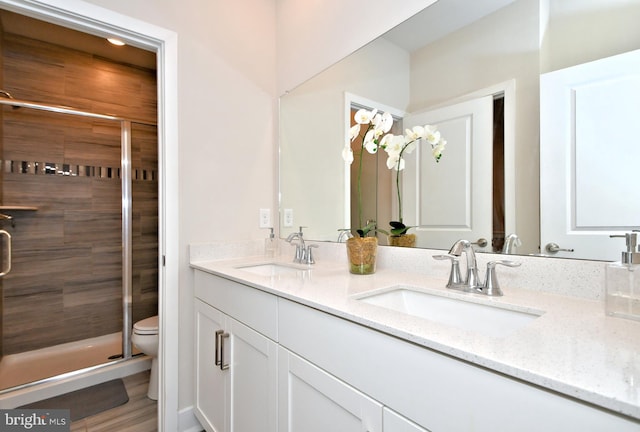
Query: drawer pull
[
  {"x": 223, "y": 365},
  {"x": 218, "y": 347}
]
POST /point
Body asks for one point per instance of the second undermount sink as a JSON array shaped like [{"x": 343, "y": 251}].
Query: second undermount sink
[
  {"x": 272, "y": 269},
  {"x": 482, "y": 318}
]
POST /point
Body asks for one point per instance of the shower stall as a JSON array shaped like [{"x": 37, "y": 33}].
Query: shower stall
[
  {"x": 78, "y": 208},
  {"x": 78, "y": 242}
]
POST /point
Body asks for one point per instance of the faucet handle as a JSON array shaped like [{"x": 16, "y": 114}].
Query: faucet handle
[
  {"x": 309, "y": 255},
  {"x": 299, "y": 254},
  {"x": 491, "y": 286},
  {"x": 454, "y": 275}
]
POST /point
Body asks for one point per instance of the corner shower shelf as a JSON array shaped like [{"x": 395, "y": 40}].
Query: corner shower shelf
[{"x": 25, "y": 208}]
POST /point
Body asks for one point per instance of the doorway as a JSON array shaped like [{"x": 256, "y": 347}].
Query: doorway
[
  {"x": 92, "y": 19},
  {"x": 64, "y": 181}
]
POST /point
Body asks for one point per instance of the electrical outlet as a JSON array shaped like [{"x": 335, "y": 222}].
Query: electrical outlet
[
  {"x": 265, "y": 218},
  {"x": 288, "y": 218}
]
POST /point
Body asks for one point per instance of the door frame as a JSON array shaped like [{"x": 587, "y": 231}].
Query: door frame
[{"x": 99, "y": 21}]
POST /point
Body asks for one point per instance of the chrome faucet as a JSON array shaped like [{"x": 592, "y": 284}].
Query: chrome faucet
[
  {"x": 345, "y": 233},
  {"x": 510, "y": 243},
  {"x": 303, "y": 254},
  {"x": 472, "y": 283}
]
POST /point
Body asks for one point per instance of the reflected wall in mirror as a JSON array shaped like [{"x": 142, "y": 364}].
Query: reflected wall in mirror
[{"x": 440, "y": 57}]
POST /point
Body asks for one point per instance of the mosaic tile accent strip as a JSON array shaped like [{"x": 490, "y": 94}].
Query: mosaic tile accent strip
[{"x": 64, "y": 169}]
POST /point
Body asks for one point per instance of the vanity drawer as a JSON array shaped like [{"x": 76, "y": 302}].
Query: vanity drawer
[{"x": 252, "y": 307}]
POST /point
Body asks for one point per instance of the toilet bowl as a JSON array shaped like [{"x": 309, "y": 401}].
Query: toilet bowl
[{"x": 145, "y": 338}]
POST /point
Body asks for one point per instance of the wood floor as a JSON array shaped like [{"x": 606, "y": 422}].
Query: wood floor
[{"x": 137, "y": 415}]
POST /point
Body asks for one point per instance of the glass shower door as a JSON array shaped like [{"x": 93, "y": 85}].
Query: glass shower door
[{"x": 62, "y": 195}]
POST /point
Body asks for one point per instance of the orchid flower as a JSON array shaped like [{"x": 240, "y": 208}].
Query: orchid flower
[
  {"x": 377, "y": 136},
  {"x": 414, "y": 134},
  {"x": 394, "y": 161},
  {"x": 383, "y": 122},
  {"x": 354, "y": 131},
  {"x": 393, "y": 144},
  {"x": 369, "y": 142},
  {"x": 438, "y": 149},
  {"x": 397, "y": 146},
  {"x": 431, "y": 135},
  {"x": 347, "y": 154},
  {"x": 363, "y": 116}
]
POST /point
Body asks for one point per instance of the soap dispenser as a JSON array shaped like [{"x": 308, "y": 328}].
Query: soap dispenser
[
  {"x": 271, "y": 245},
  {"x": 623, "y": 281}
]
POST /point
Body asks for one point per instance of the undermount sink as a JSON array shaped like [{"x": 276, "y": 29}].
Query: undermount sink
[
  {"x": 486, "y": 319},
  {"x": 271, "y": 269}
]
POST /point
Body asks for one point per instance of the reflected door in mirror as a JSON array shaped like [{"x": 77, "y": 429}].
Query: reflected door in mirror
[
  {"x": 589, "y": 153},
  {"x": 452, "y": 199}
]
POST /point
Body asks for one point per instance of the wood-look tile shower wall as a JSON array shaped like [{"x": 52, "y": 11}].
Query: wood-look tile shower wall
[{"x": 66, "y": 281}]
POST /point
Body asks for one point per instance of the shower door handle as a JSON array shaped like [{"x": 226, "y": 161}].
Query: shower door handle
[{"x": 7, "y": 269}]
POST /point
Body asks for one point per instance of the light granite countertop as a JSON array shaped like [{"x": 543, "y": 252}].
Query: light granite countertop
[{"x": 572, "y": 348}]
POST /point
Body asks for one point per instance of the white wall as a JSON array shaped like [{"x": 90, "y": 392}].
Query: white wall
[
  {"x": 226, "y": 97},
  {"x": 601, "y": 28},
  {"x": 313, "y": 34}
]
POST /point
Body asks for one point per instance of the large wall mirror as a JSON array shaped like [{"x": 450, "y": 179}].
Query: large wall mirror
[{"x": 449, "y": 54}]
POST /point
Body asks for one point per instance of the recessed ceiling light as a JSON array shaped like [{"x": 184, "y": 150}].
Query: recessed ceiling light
[{"x": 116, "y": 41}]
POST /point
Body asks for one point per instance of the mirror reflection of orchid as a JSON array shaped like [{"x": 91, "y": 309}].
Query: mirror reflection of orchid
[
  {"x": 397, "y": 146},
  {"x": 376, "y": 137},
  {"x": 377, "y": 125}
]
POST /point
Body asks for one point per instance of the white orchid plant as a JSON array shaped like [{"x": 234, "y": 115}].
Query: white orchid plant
[{"x": 377, "y": 136}]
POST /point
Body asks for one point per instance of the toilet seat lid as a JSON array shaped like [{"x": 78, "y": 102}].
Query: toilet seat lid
[{"x": 147, "y": 326}]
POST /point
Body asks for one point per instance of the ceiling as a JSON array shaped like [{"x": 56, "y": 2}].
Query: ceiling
[
  {"x": 40, "y": 30},
  {"x": 410, "y": 35},
  {"x": 440, "y": 19}
]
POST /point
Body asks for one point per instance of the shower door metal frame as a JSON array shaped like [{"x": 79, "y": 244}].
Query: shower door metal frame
[{"x": 126, "y": 180}]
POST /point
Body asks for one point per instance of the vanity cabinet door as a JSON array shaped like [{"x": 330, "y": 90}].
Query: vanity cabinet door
[
  {"x": 211, "y": 382},
  {"x": 311, "y": 400},
  {"x": 253, "y": 370},
  {"x": 394, "y": 422},
  {"x": 236, "y": 374}
]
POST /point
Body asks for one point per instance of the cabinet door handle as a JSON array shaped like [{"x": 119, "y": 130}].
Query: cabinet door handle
[
  {"x": 218, "y": 348},
  {"x": 223, "y": 366}
]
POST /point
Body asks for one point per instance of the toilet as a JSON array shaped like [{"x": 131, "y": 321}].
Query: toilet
[{"x": 145, "y": 338}]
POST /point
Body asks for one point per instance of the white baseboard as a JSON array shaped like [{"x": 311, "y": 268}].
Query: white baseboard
[{"x": 187, "y": 421}]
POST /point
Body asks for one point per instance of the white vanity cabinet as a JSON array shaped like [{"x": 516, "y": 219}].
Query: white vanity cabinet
[
  {"x": 294, "y": 368},
  {"x": 211, "y": 382},
  {"x": 236, "y": 365},
  {"x": 394, "y": 422},
  {"x": 311, "y": 400}
]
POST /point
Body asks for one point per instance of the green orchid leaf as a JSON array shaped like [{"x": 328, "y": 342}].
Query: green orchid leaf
[
  {"x": 399, "y": 228},
  {"x": 397, "y": 225}
]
